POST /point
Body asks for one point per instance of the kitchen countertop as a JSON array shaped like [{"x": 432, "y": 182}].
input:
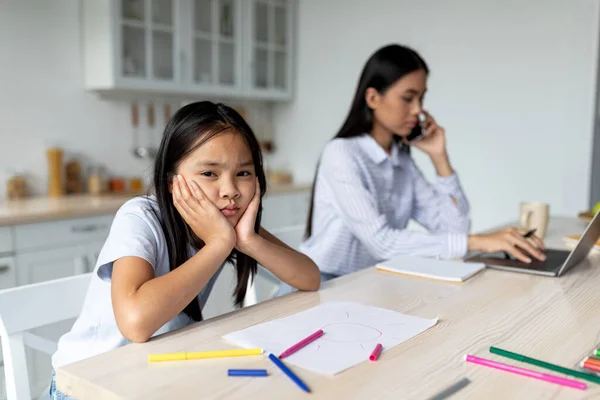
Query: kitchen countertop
[{"x": 39, "y": 209}]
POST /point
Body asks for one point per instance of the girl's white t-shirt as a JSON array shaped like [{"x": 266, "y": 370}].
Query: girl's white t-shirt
[{"x": 136, "y": 231}]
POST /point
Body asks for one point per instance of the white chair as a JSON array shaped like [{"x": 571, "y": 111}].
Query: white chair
[{"x": 32, "y": 306}]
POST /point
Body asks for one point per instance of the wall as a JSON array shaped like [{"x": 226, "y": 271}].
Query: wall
[
  {"x": 595, "y": 180},
  {"x": 512, "y": 82},
  {"x": 595, "y": 162}
]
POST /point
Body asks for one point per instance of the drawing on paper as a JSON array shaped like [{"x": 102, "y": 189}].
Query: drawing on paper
[{"x": 351, "y": 331}]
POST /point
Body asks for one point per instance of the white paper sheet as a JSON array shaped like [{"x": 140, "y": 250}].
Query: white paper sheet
[{"x": 351, "y": 332}]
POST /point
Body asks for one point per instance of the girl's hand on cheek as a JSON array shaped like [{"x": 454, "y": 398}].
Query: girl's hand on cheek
[
  {"x": 203, "y": 217},
  {"x": 245, "y": 227}
]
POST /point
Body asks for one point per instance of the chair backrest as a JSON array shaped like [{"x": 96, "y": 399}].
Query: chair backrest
[
  {"x": 38, "y": 304},
  {"x": 32, "y": 306}
]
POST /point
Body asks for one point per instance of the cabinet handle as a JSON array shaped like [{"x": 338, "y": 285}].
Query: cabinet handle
[
  {"x": 4, "y": 268},
  {"x": 84, "y": 228}
]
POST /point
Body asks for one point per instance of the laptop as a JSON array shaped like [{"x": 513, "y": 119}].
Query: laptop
[{"x": 557, "y": 261}]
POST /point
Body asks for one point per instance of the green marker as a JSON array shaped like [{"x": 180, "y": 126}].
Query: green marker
[
  {"x": 543, "y": 364},
  {"x": 597, "y": 352}
]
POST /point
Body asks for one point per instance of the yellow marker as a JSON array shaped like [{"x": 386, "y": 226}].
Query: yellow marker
[
  {"x": 204, "y": 354},
  {"x": 167, "y": 357}
]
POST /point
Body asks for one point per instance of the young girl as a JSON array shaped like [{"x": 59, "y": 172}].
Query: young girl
[
  {"x": 367, "y": 186},
  {"x": 164, "y": 252}
]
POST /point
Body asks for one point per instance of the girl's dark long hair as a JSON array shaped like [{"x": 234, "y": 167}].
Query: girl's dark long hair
[
  {"x": 191, "y": 127},
  {"x": 382, "y": 70}
]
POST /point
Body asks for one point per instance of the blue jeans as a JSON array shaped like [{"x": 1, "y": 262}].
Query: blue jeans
[
  {"x": 285, "y": 288},
  {"x": 56, "y": 394}
]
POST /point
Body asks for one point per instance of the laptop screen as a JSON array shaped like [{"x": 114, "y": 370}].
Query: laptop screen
[{"x": 585, "y": 244}]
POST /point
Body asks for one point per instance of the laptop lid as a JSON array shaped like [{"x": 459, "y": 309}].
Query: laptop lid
[{"x": 583, "y": 247}]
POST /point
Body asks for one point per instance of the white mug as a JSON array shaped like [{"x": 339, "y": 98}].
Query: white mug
[{"x": 535, "y": 215}]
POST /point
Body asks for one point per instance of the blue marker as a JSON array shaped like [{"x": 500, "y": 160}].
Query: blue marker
[
  {"x": 247, "y": 372},
  {"x": 289, "y": 373}
]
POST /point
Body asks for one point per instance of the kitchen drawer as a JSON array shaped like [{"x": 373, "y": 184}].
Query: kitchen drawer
[
  {"x": 61, "y": 232},
  {"x": 285, "y": 209},
  {"x": 6, "y": 240}
]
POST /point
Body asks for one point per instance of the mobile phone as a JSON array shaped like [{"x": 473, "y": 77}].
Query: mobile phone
[{"x": 417, "y": 132}]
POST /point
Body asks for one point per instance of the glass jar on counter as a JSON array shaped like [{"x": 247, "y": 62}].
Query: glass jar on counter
[
  {"x": 96, "y": 181},
  {"x": 16, "y": 186},
  {"x": 117, "y": 185},
  {"x": 136, "y": 185}
]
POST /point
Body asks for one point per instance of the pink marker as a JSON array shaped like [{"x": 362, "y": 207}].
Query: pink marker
[
  {"x": 302, "y": 343},
  {"x": 526, "y": 372},
  {"x": 375, "y": 354}
]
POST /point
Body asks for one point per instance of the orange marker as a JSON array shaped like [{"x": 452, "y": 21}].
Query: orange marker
[{"x": 591, "y": 366}]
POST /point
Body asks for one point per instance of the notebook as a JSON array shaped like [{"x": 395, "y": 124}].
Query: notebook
[{"x": 446, "y": 270}]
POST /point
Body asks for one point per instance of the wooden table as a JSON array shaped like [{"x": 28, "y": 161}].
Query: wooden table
[{"x": 553, "y": 319}]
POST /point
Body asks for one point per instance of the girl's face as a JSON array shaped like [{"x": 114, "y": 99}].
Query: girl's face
[
  {"x": 398, "y": 108},
  {"x": 224, "y": 170}
]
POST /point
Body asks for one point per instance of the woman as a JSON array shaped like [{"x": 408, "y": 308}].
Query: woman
[{"x": 367, "y": 186}]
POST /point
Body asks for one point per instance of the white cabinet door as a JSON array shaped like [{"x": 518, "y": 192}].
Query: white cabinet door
[
  {"x": 214, "y": 50},
  {"x": 41, "y": 266},
  {"x": 8, "y": 273},
  {"x": 270, "y": 48},
  {"x": 284, "y": 216},
  {"x": 291, "y": 236},
  {"x": 266, "y": 284},
  {"x": 220, "y": 300},
  {"x": 60, "y": 233},
  {"x": 285, "y": 210},
  {"x": 147, "y": 41},
  {"x": 6, "y": 240},
  {"x": 93, "y": 252}
]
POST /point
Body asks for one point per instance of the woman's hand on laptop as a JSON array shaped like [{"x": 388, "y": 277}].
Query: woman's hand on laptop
[{"x": 510, "y": 240}]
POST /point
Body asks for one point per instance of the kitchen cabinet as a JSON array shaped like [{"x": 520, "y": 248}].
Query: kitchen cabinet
[
  {"x": 269, "y": 48},
  {"x": 6, "y": 240},
  {"x": 52, "y": 234},
  {"x": 222, "y": 48},
  {"x": 92, "y": 251},
  {"x": 8, "y": 273},
  {"x": 285, "y": 217},
  {"x": 213, "y": 29},
  {"x": 44, "y": 265}
]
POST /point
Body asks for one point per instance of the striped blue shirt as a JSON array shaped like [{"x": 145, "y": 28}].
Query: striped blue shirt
[{"x": 364, "y": 199}]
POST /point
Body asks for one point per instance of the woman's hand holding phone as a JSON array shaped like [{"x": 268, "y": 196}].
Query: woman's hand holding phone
[
  {"x": 433, "y": 143},
  {"x": 432, "y": 139}
]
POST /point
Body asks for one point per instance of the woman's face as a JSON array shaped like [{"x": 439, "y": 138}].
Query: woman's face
[
  {"x": 397, "y": 109},
  {"x": 224, "y": 170}
]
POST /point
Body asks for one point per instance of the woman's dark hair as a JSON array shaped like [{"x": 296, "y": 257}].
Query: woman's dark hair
[
  {"x": 191, "y": 127},
  {"x": 382, "y": 70}
]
